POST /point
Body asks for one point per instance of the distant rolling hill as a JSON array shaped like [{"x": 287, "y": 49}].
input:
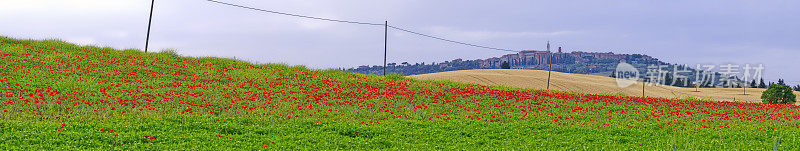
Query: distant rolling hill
[{"x": 537, "y": 79}]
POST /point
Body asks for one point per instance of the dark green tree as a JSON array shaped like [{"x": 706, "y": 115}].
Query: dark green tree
[
  {"x": 778, "y": 94},
  {"x": 706, "y": 84},
  {"x": 668, "y": 80},
  {"x": 762, "y": 84},
  {"x": 680, "y": 82},
  {"x": 780, "y": 82},
  {"x": 505, "y": 65},
  {"x": 797, "y": 87},
  {"x": 753, "y": 84}
]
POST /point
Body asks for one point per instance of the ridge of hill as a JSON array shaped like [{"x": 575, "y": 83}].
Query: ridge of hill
[{"x": 590, "y": 63}]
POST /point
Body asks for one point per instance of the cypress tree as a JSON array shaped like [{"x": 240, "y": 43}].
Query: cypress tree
[
  {"x": 679, "y": 83},
  {"x": 668, "y": 80}
]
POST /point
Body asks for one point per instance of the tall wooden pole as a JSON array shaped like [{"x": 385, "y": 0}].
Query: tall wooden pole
[
  {"x": 744, "y": 87},
  {"x": 551, "y": 64},
  {"x": 643, "y": 84},
  {"x": 385, "y": 47},
  {"x": 149, "y": 23}
]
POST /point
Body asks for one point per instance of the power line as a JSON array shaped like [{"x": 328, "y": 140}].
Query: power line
[
  {"x": 447, "y": 40},
  {"x": 362, "y": 23},
  {"x": 295, "y": 15}
]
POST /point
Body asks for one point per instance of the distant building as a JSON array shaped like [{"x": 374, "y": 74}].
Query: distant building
[{"x": 444, "y": 64}]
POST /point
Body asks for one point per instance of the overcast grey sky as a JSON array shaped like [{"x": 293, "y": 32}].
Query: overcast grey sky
[{"x": 677, "y": 31}]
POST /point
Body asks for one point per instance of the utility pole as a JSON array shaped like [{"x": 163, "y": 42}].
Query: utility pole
[
  {"x": 643, "y": 84},
  {"x": 149, "y": 22},
  {"x": 744, "y": 87},
  {"x": 385, "y": 41},
  {"x": 551, "y": 64}
]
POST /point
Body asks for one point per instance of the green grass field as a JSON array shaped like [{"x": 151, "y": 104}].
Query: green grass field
[{"x": 55, "y": 95}]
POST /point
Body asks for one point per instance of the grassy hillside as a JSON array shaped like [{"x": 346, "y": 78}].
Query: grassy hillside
[
  {"x": 581, "y": 83},
  {"x": 55, "y": 95}
]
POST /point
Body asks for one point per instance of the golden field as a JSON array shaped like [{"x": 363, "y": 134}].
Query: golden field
[{"x": 581, "y": 83}]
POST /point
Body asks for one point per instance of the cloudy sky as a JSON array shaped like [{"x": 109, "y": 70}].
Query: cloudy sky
[{"x": 680, "y": 31}]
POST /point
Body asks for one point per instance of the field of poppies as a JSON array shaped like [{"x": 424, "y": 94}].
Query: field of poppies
[{"x": 56, "y": 95}]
